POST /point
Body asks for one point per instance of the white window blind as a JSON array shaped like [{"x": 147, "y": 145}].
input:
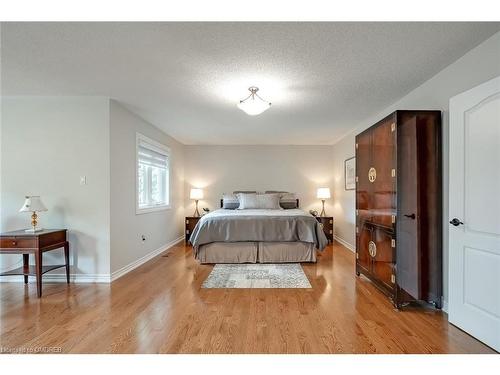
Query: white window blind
[
  {"x": 152, "y": 175},
  {"x": 150, "y": 157}
]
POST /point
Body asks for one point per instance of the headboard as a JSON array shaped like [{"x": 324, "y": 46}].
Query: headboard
[{"x": 222, "y": 203}]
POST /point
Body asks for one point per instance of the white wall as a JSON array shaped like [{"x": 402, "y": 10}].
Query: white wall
[
  {"x": 477, "y": 66},
  {"x": 161, "y": 227},
  {"x": 223, "y": 169},
  {"x": 47, "y": 144},
  {"x": 343, "y": 200}
]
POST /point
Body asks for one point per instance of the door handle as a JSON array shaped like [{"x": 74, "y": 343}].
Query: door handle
[
  {"x": 412, "y": 216},
  {"x": 456, "y": 222}
]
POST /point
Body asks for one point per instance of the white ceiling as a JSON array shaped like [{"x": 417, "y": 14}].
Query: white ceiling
[{"x": 186, "y": 78}]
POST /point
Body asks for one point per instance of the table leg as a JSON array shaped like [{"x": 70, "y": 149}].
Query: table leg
[
  {"x": 66, "y": 257},
  {"x": 26, "y": 266},
  {"x": 38, "y": 266}
]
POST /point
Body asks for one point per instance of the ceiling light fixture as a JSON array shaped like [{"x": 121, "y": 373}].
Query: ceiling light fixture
[{"x": 253, "y": 104}]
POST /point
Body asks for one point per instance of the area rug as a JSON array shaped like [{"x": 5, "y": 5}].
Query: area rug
[{"x": 257, "y": 276}]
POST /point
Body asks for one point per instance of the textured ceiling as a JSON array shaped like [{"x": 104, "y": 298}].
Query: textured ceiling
[{"x": 186, "y": 78}]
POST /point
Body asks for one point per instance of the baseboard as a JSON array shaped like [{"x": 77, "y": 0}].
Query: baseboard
[
  {"x": 445, "y": 306},
  {"x": 139, "y": 262},
  {"x": 96, "y": 278},
  {"x": 345, "y": 243}
]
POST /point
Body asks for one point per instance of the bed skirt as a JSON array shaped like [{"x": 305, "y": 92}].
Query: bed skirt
[{"x": 256, "y": 252}]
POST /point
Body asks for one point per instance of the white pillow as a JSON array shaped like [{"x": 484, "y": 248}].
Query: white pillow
[
  {"x": 259, "y": 201},
  {"x": 230, "y": 201}
]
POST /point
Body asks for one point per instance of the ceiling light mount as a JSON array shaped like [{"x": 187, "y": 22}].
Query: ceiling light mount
[{"x": 253, "y": 104}]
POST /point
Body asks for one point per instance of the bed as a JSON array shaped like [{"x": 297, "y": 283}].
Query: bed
[{"x": 257, "y": 236}]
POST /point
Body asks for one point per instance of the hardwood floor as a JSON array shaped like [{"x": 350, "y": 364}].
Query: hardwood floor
[{"x": 161, "y": 308}]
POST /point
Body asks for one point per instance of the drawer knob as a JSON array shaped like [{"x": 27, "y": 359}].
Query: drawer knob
[{"x": 14, "y": 243}]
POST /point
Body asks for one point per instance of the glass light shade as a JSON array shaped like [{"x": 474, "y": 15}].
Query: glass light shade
[
  {"x": 323, "y": 193},
  {"x": 253, "y": 106},
  {"x": 33, "y": 204},
  {"x": 196, "y": 194}
]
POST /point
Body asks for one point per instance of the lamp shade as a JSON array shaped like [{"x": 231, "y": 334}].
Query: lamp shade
[
  {"x": 33, "y": 204},
  {"x": 323, "y": 193},
  {"x": 196, "y": 194}
]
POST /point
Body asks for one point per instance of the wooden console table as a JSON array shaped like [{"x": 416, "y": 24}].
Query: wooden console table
[{"x": 26, "y": 243}]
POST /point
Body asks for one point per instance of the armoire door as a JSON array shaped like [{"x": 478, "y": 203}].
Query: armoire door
[
  {"x": 363, "y": 198},
  {"x": 380, "y": 172},
  {"x": 408, "y": 255},
  {"x": 364, "y": 238},
  {"x": 382, "y": 256}
]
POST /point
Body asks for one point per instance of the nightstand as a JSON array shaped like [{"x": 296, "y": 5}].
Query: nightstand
[
  {"x": 327, "y": 224},
  {"x": 190, "y": 223},
  {"x": 36, "y": 243}
]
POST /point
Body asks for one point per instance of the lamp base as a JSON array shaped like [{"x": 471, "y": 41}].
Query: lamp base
[
  {"x": 323, "y": 213},
  {"x": 196, "y": 212},
  {"x": 33, "y": 230}
]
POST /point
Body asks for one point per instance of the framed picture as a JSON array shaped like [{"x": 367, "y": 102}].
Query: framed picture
[{"x": 350, "y": 173}]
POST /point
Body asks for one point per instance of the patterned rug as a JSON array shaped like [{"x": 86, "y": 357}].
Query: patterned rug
[{"x": 257, "y": 276}]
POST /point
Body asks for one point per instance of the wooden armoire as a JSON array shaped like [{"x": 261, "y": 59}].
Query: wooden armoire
[{"x": 398, "y": 206}]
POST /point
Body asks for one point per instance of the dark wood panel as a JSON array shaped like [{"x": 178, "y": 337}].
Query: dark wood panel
[
  {"x": 383, "y": 261},
  {"x": 383, "y": 161},
  {"x": 190, "y": 224},
  {"x": 408, "y": 254},
  {"x": 363, "y": 239},
  {"x": 327, "y": 224},
  {"x": 52, "y": 238},
  {"x": 430, "y": 204},
  {"x": 363, "y": 185}
]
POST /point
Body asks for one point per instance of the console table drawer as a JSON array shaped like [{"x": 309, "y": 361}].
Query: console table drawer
[{"x": 17, "y": 242}]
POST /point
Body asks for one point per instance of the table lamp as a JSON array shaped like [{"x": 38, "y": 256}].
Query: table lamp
[
  {"x": 323, "y": 193},
  {"x": 33, "y": 204},
  {"x": 196, "y": 195}
]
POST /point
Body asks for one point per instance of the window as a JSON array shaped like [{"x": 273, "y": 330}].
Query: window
[{"x": 153, "y": 177}]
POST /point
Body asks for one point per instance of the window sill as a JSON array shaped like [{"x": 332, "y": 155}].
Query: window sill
[{"x": 147, "y": 210}]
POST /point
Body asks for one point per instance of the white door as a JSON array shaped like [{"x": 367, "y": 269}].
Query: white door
[{"x": 474, "y": 231}]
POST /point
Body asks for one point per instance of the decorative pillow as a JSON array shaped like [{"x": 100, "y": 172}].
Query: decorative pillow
[
  {"x": 288, "y": 205},
  {"x": 230, "y": 201},
  {"x": 276, "y": 192},
  {"x": 259, "y": 201},
  {"x": 236, "y": 192},
  {"x": 287, "y": 200}
]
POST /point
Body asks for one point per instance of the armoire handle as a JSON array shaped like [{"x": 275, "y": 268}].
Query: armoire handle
[{"x": 412, "y": 216}]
